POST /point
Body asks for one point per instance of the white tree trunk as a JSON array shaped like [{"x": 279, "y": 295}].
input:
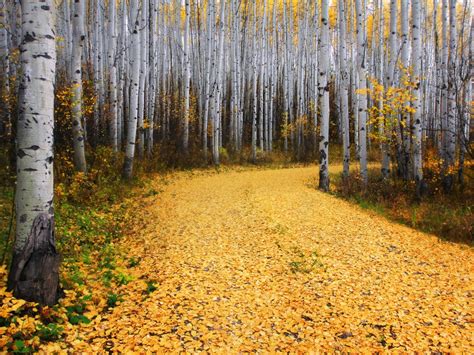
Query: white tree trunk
[
  {"x": 346, "y": 145},
  {"x": 452, "y": 95},
  {"x": 134, "y": 86},
  {"x": 5, "y": 117},
  {"x": 405, "y": 119},
  {"x": 112, "y": 61},
  {"x": 142, "y": 80},
  {"x": 362, "y": 98},
  {"x": 417, "y": 123},
  {"x": 323, "y": 88},
  {"x": 78, "y": 48},
  {"x": 187, "y": 77},
  {"x": 34, "y": 190}
]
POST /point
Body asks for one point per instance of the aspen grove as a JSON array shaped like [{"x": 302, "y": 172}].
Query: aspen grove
[
  {"x": 382, "y": 89},
  {"x": 297, "y": 76}
]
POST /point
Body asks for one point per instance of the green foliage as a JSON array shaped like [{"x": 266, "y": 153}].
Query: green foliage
[
  {"x": 19, "y": 347},
  {"x": 75, "y": 314},
  {"x": 107, "y": 257},
  {"x": 224, "y": 155},
  {"x": 150, "y": 287},
  {"x": 132, "y": 262},
  {"x": 75, "y": 274},
  {"x": 113, "y": 299},
  {"x": 50, "y": 332},
  {"x": 107, "y": 278},
  {"x": 123, "y": 279},
  {"x": 304, "y": 263}
]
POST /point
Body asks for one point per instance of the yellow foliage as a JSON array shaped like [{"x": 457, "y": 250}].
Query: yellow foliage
[{"x": 243, "y": 261}]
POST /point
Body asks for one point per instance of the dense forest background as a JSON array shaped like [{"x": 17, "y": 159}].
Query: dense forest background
[
  {"x": 96, "y": 96},
  {"x": 241, "y": 78}
]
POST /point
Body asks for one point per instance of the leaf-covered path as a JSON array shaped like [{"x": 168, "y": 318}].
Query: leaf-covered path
[{"x": 260, "y": 260}]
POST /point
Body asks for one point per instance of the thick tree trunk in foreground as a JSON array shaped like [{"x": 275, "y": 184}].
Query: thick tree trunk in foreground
[{"x": 34, "y": 272}]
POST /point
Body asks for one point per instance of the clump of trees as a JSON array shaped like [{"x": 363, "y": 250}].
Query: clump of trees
[{"x": 230, "y": 75}]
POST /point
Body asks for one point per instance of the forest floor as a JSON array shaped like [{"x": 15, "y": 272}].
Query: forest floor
[{"x": 247, "y": 260}]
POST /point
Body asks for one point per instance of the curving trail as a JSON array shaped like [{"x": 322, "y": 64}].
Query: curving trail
[{"x": 260, "y": 260}]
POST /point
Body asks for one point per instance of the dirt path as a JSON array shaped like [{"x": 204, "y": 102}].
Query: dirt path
[{"x": 260, "y": 260}]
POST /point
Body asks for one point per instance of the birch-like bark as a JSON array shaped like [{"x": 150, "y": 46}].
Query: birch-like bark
[
  {"x": 344, "y": 88},
  {"x": 219, "y": 87},
  {"x": 153, "y": 75},
  {"x": 444, "y": 81},
  {"x": 384, "y": 146},
  {"x": 392, "y": 50},
  {"x": 323, "y": 89},
  {"x": 417, "y": 124},
  {"x": 209, "y": 60},
  {"x": 405, "y": 119},
  {"x": 142, "y": 79},
  {"x": 450, "y": 134},
  {"x": 112, "y": 61},
  {"x": 134, "y": 86},
  {"x": 262, "y": 113},
  {"x": 78, "y": 48},
  {"x": 5, "y": 116},
  {"x": 187, "y": 77},
  {"x": 34, "y": 190},
  {"x": 362, "y": 98},
  {"x": 254, "y": 86}
]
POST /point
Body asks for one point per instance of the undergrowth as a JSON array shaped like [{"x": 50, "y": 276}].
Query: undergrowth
[
  {"x": 449, "y": 216},
  {"x": 93, "y": 211},
  {"x": 91, "y": 214}
]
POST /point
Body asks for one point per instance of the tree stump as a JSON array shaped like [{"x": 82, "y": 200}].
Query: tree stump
[{"x": 34, "y": 273}]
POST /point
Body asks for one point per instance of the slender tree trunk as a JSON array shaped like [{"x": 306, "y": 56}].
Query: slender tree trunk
[
  {"x": 77, "y": 119},
  {"x": 113, "y": 75},
  {"x": 417, "y": 124},
  {"x": 142, "y": 78},
  {"x": 362, "y": 98},
  {"x": 323, "y": 88},
  {"x": 405, "y": 119},
  {"x": 134, "y": 87},
  {"x": 254, "y": 86},
  {"x": 346, "y": 145},
  {"x": 448, "y": 180},
  {"x": 187, "y": 77}
]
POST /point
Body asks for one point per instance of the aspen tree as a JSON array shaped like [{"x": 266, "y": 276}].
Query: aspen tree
[
  {"x": 323, "y": 88},
  {"x": 417, "y": 124},
  {"x": 34, "y": 189},
  {"x": 134, "y": 89},
  {"x": 187, "y": 76},
  {"x": 344, "y": 88},
  {"x": 5, "y": 116},
  {"x": 450, "y": 130},
  {"x": 77, "y": 119},
  {"x": 112, "y": 64},
  {"x": 142, "y": 77},
  {"x": 405, "y": 119},
  {"x": 362, "y": 98}
]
